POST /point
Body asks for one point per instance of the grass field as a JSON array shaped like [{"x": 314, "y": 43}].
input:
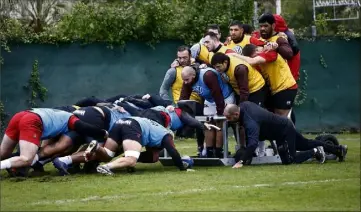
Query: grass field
[{"x": 308, "y": 187}]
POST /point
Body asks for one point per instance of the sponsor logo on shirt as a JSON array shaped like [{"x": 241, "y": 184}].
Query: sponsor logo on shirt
[
  {"x": 126, "y": 122},
  {"x": 237, "y": 49},
  {"x": 79, "y": 112},
  {"x": 198, "y": 89}
]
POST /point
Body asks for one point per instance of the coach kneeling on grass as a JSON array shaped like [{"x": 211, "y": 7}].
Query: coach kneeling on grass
[{"x": 260, "y": 124}]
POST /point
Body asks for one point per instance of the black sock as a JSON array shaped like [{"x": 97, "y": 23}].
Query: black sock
[
  {"x": 210, "y": 152},
  {"x": 219, "y": 152},
  {"x": 200, "y": 137}
]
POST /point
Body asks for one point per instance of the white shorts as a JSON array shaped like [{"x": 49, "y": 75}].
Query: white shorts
[{"x": 210, "y": 108}]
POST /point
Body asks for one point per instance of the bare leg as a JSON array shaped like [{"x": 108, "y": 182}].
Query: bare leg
[
  {"x": 27, "y": 153},
  {"x": 131, "y": 154},
  {"x": 6, "y": 147},
  {"x": 59, "y": 147}
]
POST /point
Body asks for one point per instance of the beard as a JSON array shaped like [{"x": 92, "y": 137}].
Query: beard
[{"x": 266, "y": 35}]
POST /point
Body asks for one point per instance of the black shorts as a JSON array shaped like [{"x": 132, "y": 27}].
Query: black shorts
[
  {"x": 154, "y": 115},
  {"x": 92, "y": 116},
  {"x": 126, "y": 129},
  {"x": 284, "y": 99},
  {"x": 78, "y": 139},
  {"x": 259, "y": 96}
]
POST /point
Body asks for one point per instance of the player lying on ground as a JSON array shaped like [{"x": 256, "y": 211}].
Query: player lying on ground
[
  {"x": 261, "y": 124},
  {"x": 131, "y": 135}
]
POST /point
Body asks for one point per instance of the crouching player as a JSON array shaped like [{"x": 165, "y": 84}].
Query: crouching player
[
  {"x": 132, "y": 134},
  {"x": 28, "y": 128}
]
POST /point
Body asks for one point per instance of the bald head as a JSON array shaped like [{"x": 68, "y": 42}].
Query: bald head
[
  {"x": 231, "y": 112},
  {"x": 188, "y": 74}
]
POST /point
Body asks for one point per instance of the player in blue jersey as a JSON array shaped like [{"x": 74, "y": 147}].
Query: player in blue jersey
[
  {"x": 131, "y": 135},
  {"x": 209, "y": 84},
  {"x": 28, "y": 128},
  {"x": 178, "y": 118},
  {"x": 101, "y": 117}
]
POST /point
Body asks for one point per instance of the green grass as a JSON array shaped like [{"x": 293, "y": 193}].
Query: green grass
[{"x": 307, "y": 187}]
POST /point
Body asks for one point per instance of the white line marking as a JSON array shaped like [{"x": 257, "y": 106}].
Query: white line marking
[{"x": 196, "y": 190}]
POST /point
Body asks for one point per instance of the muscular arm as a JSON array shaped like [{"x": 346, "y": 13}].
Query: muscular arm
[
  {"x": 262, "y": 58},
  {"x": 211, "y": 80},
  {"x": 130, "y": 109},
  {"x": 142, "y": 103},
  {"x": 90, "y": 101},
  {"x": 250, "y": 60},
  {"x": 168, "y": 144},
  {"x": 284, "y": 48},
  {"x": 167, "y": 83},
  {"x": 86, "y": 129},
  {"x": 241, "y": 75},
  {"x": 158, "y": 101},
  {"x": 190, "y": 121},
  {"x": 252, "y": 135},
  {"x": 186, "y": 92},
  {"x": 115, "y": 98}
]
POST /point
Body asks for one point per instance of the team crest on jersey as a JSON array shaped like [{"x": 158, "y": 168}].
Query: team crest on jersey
[
  {"x": 237, "y": 49},
  {"x": 198, "y": 89}
]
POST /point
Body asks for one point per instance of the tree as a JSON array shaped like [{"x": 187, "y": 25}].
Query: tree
[{"x": 35, "y": 13}]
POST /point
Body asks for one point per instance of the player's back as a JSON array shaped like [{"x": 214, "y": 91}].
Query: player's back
[
  {"x": 152, "y": 132},
  {"x": 55, "y": 121}
]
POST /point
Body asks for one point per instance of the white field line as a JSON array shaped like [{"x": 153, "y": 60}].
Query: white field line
[{"x": 195, "y": 190}]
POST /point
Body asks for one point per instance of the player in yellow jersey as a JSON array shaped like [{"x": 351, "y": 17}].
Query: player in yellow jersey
[
  {"x": 267, "y": 24},
  {"x": 239, "y": 39},
  {"x": 173, "y": 81},
  {"x": 278, "y": 76}
]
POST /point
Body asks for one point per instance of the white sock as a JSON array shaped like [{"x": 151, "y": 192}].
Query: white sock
[
  {"x": 5, "y": 164},
  {"x": 36, "y": 158},
  {"x": 66, "y": 159},
  {"x": 261, "y": 149}
]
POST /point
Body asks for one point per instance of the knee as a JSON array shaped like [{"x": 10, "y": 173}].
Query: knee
[
  {"x": 131, "y": 161},
  {"x": 131, "y": 157},
  {"x": 26, "y": 160}
]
